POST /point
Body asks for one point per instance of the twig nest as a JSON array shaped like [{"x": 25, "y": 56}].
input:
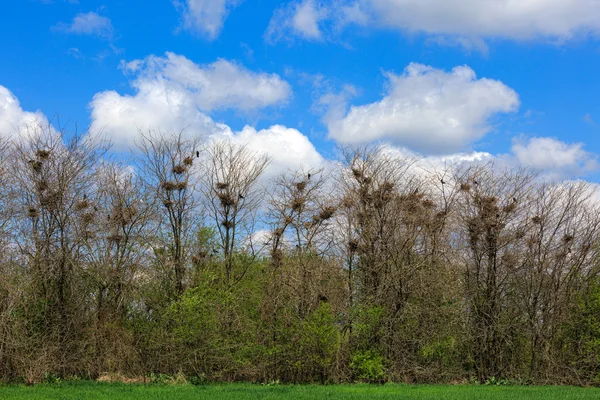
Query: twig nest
[
  {"x": 41, "y": 185},
  {"x": 115, "y": 237},
  {"x": 226, "y": 199},
  {"x": 82, "y": 205},
  {"x": 568, "y": 238},
  {"x": 227, "y": 224},
  {"x": 509, "y": 208},
  {"x": 327, "y": 212},
  {"x": 181, "y": 186},
  {"x": 288, "y": 220},
  {"x": 301, "y": 186},
  {"x": 465, "y": 187},
  {"x": 87, "y": 218},
  {"x": 353, "y": 245},
  {"x": 36, "y": 165},
  {"x": 33, "y": 212},
  {"x": 43, "y": 154},
  {"x": 169, "y": 186},
  {"x": 168, "y": 203},
  {"x": 188, "y": 161},
  {"x": 222, "y": 185},
  {"x": 358, "y": 174},
  {"x": 179, "y": 169},
  {"x": 297, "y": 203},
  {"x": 51, "y": 200},
  {"x": 536, "y": 220}
]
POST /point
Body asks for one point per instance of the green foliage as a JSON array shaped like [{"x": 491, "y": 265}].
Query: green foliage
[{"x": 367, "y": 366}]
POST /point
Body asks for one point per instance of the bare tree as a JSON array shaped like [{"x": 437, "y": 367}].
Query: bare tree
[
  {"x": 170, "y": 165},
  {"x": 231, "y": 187}
]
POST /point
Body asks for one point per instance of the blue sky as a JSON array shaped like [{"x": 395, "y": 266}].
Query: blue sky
[{"x": 516, "y": 79}]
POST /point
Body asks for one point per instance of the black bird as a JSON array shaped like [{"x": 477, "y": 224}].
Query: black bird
[
  {"x": 84, "y": 196},
  {"x": 95, "y": 208},
  {"x": 197, "y": 154},
  {"x": 514, "y": 199},
  {"x": 309, "y": 175},
  {"x": 475, "y": 182},
  {"x": 241, "y": 196},
  {"x": 416, "y": 191},
  {"x": 443, "y": 182}
]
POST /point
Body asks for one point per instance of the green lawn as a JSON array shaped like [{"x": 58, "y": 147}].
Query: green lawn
[{"x": 83, "y": 391}]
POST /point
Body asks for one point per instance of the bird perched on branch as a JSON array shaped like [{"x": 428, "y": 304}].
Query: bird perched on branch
[{"x": 197, "y": 154}]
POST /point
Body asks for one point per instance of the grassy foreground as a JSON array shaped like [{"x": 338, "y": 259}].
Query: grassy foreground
[{"x": 91, "y": 390}]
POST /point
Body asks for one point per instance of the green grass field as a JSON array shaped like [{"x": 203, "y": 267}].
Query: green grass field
[{"x": 84, "y": 391}]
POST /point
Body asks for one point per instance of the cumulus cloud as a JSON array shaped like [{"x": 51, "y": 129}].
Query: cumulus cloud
[
  {"x": 287, "y": 147},
  {"x": 298, "y": 19},
  {"x": 463, "y": 20},
  {"x": 220, "y": 85},
  {"x": 13, "y": 119},
  {"x": 173, "y": 93},
  {"x": 313, "y": 19},
  {"x": 89, "y": 23},
  {"x": 554, "y": 157},
  {"x": 522, "y": 19},
  {"x": 427, "y": 110},
  {"x": 205, "y": 17}
]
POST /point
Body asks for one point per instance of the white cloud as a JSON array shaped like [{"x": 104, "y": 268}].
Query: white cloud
[
  {"x": 462, "y": 22},
  {"x": 299, "y": 19},
  {"x": 314, "y": 19},
  {"x": 13, "y": 119},
  {"x": 205, "y": 17},
  {"x": 553, "y": 157},
  {"x": 511, "y": 19},
  {"x": 89, "y": 23},
  {"x": 220, "y": 85},
  {"x": 428, "y": 110},
  {"x": 287, "y": 147},
  {"x": 173, "y": 93}
]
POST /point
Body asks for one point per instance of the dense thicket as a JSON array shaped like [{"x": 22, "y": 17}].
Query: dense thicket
[{"x": 188, "y": 261}]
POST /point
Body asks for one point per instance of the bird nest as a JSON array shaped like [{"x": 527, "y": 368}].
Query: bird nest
[
  {"x": 168, "y": 203},
  {"x": 297, "y": 203},
  {"x": 181, "y": 186},
  {"x": 115, "y": 238},
  {"x": 358, "y": 174},
  {"x": 353, "y": 245},
  {"x": 33, "y": 212},
  {"x": 226, "y": 199},
  {"x": 301, "y": 186},
  {"x": 536, "y": 220},
  {"x": 87, "y": 218},
  {"x": 465, "y": 187},
  {"x": 188, "y": 161},
  {"x": 179, "y": 169},
  {"x": 41, "y": 185},
  {"x": 43, "y": 154},
  {"x": 36, "y": 165},
  {"x": 169, "y": 186},
  {"x": 82, "y": 205},
  {"x": 222, "y": 185},
  {"x": 327, "y": 212},
  {"x": 227, "y": 224}
]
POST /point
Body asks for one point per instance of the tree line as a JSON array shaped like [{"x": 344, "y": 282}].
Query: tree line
[{"x": 186, "y": 260}]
